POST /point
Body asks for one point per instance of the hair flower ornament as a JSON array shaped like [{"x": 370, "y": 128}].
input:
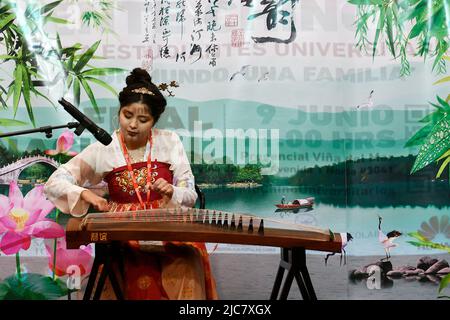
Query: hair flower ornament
[{"x": 143, "y": 91}]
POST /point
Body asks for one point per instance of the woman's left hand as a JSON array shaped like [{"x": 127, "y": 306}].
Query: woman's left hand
[{"x": 163, "y": 187}]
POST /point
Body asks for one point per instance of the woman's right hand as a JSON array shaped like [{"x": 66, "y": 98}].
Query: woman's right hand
[{"x": 98, "y": 202}]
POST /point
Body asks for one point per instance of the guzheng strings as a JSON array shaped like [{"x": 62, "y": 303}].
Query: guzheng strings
[{"x": 192, "y": 215}]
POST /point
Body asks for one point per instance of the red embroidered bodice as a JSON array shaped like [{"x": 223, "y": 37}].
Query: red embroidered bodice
[{"x": 120, "y": 184}]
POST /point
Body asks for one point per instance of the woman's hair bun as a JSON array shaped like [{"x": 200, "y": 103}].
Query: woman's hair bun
[
  {"x": 138, "y": 75},
  {"x": 140, "y": 79}
]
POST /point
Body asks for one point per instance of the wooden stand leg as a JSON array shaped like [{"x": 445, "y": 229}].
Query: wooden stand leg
[
  {"x": 294, "y": 261},
  {"x": 277, "y": 284},
  {"x": 93, "y": 276},
  {"x": 106, "y": 255}
]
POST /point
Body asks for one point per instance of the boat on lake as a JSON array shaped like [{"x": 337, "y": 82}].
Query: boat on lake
[{"x": 297, "y": 203}]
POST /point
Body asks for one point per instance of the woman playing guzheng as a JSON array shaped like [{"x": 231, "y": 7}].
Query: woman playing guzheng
[{"x": 144, "y": 167}]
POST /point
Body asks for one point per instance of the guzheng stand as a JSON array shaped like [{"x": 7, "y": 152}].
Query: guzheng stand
[
  {"x": 108, "y": 255},
  {"x": 292, "y": 259}
]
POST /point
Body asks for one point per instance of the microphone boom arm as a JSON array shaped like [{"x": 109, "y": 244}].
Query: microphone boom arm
[{"x": 47, "y": 130}]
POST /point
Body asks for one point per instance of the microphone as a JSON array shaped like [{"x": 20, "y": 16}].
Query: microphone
[{"x": 86, "y": 123}]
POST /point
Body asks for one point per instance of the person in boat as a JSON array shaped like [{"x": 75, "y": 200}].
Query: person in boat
[
  {"x": 144, "y": 167},
  {"x": 283, "y": 199}
]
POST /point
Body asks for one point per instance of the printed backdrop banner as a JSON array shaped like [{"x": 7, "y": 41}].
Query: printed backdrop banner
[{"x": 271, "y": 99}]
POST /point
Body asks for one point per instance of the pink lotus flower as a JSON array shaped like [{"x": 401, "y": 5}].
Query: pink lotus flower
[
  {"x": 22, "y": 218},
  {"x": 65, "y": 258},
  {"x": 63, "y": 145}
]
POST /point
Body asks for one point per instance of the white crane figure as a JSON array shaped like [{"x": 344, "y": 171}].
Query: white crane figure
[
  {"x": 368, "y": 103},
  {"x": 242, "y": 72},
  {"x": 387, "y": 240},
  {"x": 345, "y": 237}
]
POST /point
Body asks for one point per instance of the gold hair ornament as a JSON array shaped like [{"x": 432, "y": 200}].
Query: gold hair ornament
[{"x": 143, "y": 91}]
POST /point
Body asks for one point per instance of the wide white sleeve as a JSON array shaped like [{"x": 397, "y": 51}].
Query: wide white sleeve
[
  {"x": 66, "y": 184},
  {"x": 184, "y": 193}
]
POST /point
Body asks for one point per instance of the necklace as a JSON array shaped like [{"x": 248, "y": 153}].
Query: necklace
[
  {"x": 137, "y": 154},
  {"x": 131, "y": 172}
]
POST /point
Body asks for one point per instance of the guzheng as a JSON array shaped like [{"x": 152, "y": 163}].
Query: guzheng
[{"x": 196, "y": 225}]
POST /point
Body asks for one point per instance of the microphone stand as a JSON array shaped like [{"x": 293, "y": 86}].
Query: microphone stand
[{"x": 47, "y": 130}]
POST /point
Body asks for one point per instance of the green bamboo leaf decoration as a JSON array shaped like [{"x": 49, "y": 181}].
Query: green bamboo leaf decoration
[
  {"x": 10, "y": 90},
  {"x": 102, "y": 71},
  {"x": 429, "y": 244},
  {"x": 433, "y": 117},
  {"x": 389, "y": 31},
  {"x": 424, "y": 242},
  {"x": 4, "y": 22},
  {"x": 436, "y": 143},
  {"x": 443, "y": 103},
  {"x": 418, "y": 236},
  {"x": 58, "y": 42},
  {"x": 90, "y": 94},
  {"x": 69, "y": 80},
  {"x": 6, "y": 57},
  {"x": 441, "y": 49},
  {"x": 2, "y": 101},
  {"x": 445, "y": 155},
  {"x": 416, "y": 10},
  {"x": 94, "y": 57},
  {"x": 419, "y": 137},
  {"x": 56, "y": 20},
  {"x": 30, "y": 9},
  {"x": 440, "y": 108},
  {"x": 86, "y": 57},
  {"x": 70, "y": 51},
  {"x": 27, "y": 76},
  {"x": 102, "y": 83},
  {"x": 49, "y": 7},
  {"x": 442, "y": 167},
  {"x": 366, "y": 2},
  {"x": 427, "y": 20},
  {"x": 5, "y": 8},
  {"x": 11, "y": 123},
  {"x": 417, "y": 29},
  {"x": 26, "y": 94},
  {"x": 70, "y": 63},
  {"x": 379, "y": 29},
  {"x": 416, "y": 244},
  {"x": 76, "y": 91},
  {"x": 442, "y": 80},
  {"x": 444, "y": 283},
  {"x": 17, "y": 87}
]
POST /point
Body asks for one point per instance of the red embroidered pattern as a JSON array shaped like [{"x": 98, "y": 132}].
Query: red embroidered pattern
[
  {"x": 126, "y": 184},
  {"x": 121, "y": 187}
]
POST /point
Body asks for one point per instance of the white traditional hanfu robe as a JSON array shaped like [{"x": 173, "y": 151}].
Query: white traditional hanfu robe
[{"x": 179, "y": 270}]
